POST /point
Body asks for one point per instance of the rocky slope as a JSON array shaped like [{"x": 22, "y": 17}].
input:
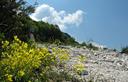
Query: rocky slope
[
  {"x": 100, "y": 66},
  {"x": 103, "y": 65}
]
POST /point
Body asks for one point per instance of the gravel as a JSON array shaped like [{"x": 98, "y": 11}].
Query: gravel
[{"x": 102, "y": 65}]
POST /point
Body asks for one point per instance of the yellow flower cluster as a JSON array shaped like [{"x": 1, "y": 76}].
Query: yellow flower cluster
[
  {"x": 9, "y": 77},
  {"x": 62, "y": 55},
  {"x": 79, "y": 67},
  {"x": 20, "y": 59},
  {"x": 20, "y": 73}
]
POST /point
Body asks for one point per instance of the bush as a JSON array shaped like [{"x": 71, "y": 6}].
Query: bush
[
  {"x": 124, "y": 50},
  {"x": 21, "y": 62}
]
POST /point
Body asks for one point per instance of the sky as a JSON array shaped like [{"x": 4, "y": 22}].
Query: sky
[{"x": 103, "y": 21}]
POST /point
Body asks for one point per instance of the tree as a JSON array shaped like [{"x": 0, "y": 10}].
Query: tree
[
  {"x": 83, "y": 44},
  {"x": 12, "y": 14}
]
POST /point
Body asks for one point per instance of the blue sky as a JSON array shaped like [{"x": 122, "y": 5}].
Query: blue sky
[{"x": 103, "y": 21}]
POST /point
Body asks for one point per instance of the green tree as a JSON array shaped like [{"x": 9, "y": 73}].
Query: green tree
[
  {"x": 12, "y": 14},
  {"x": 83, "y": 44}
]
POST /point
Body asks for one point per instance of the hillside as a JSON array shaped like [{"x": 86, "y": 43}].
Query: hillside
[
  {"x": 32, "y": 51},
  {"x": 103, "y": 65},
  {"x": 15, "y": 20},
  {"x": 45, "y": 32}
]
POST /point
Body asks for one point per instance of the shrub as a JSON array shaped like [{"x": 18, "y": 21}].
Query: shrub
[
  {"x": 124, "y": 50},
  {"x": 21, "y": 62}
]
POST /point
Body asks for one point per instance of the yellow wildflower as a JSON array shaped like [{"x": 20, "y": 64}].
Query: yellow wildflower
[
  {"x": 9, "y": 77},
  {"x": 21, "y": 73}
]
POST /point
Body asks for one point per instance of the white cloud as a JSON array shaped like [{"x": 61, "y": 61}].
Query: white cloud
[{"x": 49, "y": 14}]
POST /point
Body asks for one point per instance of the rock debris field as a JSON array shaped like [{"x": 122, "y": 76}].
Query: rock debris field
[{"x": 103, "y": 65}]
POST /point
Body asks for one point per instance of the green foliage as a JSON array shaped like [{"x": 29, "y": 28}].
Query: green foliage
[
  {"x": 57, "y": 42},
  {"x": 47, "y": 32},
  {"x": 13, "y": 13},
  {"x": 124, "y": 50},
  {"x": 22, "y": 63},
  {"x": 89, "y": 46},
  {"x": 51, "y": 33},
  {"x": 67, "y": 39},
  {"x": 83, "y": 44}
]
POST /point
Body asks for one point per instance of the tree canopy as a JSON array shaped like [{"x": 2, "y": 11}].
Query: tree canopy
[{"x": 13, "y": 13}]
